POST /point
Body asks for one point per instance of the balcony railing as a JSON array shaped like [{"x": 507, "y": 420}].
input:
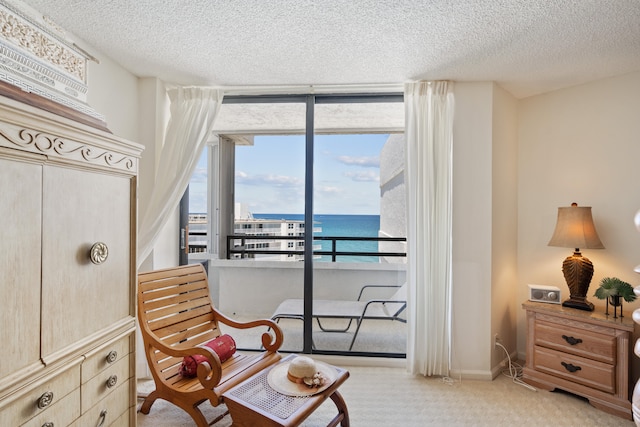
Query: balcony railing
[
  {"x": 244, "y": 252},
  {"x": 241, "y": 249}
]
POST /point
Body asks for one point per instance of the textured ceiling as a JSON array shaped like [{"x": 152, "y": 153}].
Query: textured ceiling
[{"x": 527, "y": 46}]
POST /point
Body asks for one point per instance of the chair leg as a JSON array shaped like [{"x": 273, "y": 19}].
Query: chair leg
[
  {"x": 197, "y": 415},
  {"x": 355, "y": 334},
  {"x": 193, "y": 411},
  {"x": 148, "y": 401},
  {"x": 343, "y": 412}
]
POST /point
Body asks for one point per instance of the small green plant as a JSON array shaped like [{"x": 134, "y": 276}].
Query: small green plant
[{"x": 612, "y": 286}]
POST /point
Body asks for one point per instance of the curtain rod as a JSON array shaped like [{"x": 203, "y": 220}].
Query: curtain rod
[{"x": 305, "y": 89}]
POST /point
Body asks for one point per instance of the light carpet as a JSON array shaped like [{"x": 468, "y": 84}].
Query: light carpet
[{"x": 384, "y": 396}]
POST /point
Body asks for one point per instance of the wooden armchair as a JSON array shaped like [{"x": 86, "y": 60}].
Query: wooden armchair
[{"x": 177, "y": 317}]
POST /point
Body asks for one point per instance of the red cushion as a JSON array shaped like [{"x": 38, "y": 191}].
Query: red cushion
[{"x": 224, "y": 346}]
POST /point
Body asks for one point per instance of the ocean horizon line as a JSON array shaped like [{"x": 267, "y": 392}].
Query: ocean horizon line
[{"x": 301, "y": 214}]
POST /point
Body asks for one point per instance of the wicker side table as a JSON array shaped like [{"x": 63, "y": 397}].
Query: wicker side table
[{"x": 255, "y": 403}]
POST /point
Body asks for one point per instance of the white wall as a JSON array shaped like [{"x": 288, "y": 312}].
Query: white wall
[
  {"x": 484, "y": 227},
  {"x": 113, "y": 92},
  {"x": 504, "y": 226},
  {"x": 472, "y": 210},
  {"x": 153, "y": 110},
  {"x": 582, "y": 145},
  {"x": 393, "y": 221}
]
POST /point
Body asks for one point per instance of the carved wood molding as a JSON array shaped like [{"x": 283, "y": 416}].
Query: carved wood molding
[
  {"x": 54, "y": 146},
  {"x": 43, "y": 143},
  {"x": 28, "y": 37},
  {"x": 37, "y": 57},
  {"x": 13, "y": 92}
]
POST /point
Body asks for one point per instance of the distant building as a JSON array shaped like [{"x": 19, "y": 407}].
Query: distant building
[{"x": 267, "y": 229}]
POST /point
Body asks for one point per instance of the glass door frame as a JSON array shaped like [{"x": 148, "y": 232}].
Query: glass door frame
[{"x": 311, "y": 100}]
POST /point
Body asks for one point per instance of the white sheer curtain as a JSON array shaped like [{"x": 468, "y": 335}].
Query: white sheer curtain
[
  {"x": 429, "y": 138},
  {"x": 193, "y": 112}
]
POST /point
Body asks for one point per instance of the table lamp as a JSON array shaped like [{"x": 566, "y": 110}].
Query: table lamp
[{"x": 575, "y": 229}]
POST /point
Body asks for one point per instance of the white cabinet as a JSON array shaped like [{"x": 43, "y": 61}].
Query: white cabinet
[{"x": 67, "y": 271}]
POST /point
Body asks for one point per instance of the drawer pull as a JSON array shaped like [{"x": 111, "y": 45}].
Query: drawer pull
[
  {"x": 571, "y": 368},
  {"x": 49, "y": 424},
  {"x": 572, "y": 340},
  {"x": 45, "y": 400},
  {"x": 112, "y": 356},
  {"x": 102, "y": 418},
  {"x": 113, "y": 379}
]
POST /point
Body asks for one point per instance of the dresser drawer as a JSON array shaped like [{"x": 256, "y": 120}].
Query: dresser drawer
[
  {"x": 108, "y": 411},
  {"x": 126, "y": 419},
  {"x": 41, "y": 397},
  {"x": 588, "y": 372},
  {"x": 105, "y": 357},
  {"x": 106, "y": 382},
  {"x": 61, "y": 413},
  {"x": 581, "y": 342}
]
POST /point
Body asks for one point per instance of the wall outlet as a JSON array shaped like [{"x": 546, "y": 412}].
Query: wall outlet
[{"x": 496, "y": 340}]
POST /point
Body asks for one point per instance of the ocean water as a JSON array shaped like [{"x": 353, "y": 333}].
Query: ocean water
[{"x": 341, "y": 226}]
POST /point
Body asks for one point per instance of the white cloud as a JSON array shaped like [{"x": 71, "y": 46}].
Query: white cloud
[
  {"x": 268, "y": 179},
  {"x": 366, "y": 176},
  {"x": 199, "y": 175},
  {"x": 327, "y": 190},
  {"x": 367, "y": 162}
]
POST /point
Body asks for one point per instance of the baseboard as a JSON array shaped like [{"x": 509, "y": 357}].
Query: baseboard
[
  {"x": 361, "y": 361},
  {"x": 503, "y": 365}
]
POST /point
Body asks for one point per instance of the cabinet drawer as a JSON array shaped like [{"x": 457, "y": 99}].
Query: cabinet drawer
[
  {"x": 106, "y": 382},
  {"x": 126, "y": 418},
  {"x": 40, "y": 397},
  {"x": 107, "y": 411},
  {"x": 581, "y": 342},
  {"x": 104, "y": 357},
  {"x": 590, "y": 373},
  {"x": 60, "y": 414}
]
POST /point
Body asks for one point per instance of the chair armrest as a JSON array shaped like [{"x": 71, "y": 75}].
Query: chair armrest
[
  {"x": 383, "y": 302},
  {"x": 269, "y": 342},
  {"x": 376, "y": 286},
  {"x": 209, "y": 372}
]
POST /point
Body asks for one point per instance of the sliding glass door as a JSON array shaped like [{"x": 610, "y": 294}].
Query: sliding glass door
[{"x": 306, "y": 198}]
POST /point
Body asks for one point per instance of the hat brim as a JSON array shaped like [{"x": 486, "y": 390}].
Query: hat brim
[{"x": 277, "y": 379}]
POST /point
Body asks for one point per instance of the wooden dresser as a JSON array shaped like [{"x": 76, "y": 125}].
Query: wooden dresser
[
  {"x": 582, "y": 352},
  {"x": 67, "y": 271}
]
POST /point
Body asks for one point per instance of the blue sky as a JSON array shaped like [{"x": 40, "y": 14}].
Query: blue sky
[{"x": 270, "y": 175}]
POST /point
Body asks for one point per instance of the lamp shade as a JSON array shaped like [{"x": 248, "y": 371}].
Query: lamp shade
[{"x": 575, "y": 229}]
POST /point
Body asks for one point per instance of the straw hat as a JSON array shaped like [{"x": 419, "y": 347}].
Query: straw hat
[{"x": 286, "y": 377}]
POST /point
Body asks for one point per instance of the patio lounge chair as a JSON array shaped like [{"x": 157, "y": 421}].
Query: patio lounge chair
[{"x": 359, "y": 310}]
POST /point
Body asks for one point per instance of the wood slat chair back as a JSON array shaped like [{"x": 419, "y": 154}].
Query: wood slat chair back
[{"x": 177, "y": 318}]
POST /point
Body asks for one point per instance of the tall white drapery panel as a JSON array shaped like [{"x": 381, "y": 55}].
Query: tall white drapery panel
[
  {"x": 429, "y": 108},
  {"x": 193, "y": 112}
]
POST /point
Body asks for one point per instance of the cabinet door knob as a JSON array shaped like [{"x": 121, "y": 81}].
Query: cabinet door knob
[
  {"x": 99, "y": 253},
  {"x": 45, "y": 400},
  {"x": 571, "y": 368},
  {"x": 572, "y": 340}
]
